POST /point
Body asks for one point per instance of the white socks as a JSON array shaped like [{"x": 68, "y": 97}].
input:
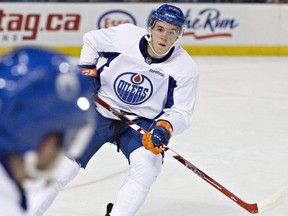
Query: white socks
[{"x": 144, "y": 169}]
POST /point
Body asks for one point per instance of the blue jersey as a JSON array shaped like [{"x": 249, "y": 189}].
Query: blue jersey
[{"x": 131, "y": 81}]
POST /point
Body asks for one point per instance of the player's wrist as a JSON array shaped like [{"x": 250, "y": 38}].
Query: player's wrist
[
  {"x": 166, "y": 125},
  {"x": 88, "y": 70}
]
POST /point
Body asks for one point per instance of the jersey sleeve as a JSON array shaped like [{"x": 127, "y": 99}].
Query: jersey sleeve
[
  {"x": 95, "y": 42},
  {"x": 109, "y": 40},
  {"x": 179, "y": 115}
]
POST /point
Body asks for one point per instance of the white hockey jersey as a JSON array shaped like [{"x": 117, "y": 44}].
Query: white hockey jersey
[{"x": 131, "y": 81}]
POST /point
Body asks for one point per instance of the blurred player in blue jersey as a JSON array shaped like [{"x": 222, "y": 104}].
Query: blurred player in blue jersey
[
  {"x": 153, "y": 81},
  {"x": 44, "y": 105}
]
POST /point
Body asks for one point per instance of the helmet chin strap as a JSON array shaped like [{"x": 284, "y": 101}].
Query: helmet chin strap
[{"x": 150, "y": 45}]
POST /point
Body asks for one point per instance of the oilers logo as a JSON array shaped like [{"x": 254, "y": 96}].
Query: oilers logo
[{"x": 133, "y": 88}]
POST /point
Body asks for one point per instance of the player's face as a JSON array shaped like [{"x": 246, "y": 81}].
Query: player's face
[{"x": 164, "y": 36}]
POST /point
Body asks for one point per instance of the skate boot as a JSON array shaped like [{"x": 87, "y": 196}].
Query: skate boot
[{"x": 109, "y": 209}]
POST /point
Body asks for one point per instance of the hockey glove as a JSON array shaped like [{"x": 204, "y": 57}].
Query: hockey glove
[
  {"x": 92, "y": 72},
  {"x": 160, "y": 135}
]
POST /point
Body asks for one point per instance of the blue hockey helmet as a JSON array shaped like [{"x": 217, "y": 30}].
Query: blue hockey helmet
[
  {"x": 170, "y": 14},
  {"x": 41, "y": 92}
]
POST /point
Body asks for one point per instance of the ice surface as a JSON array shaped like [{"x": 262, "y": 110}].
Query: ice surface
[{"x": 239, "y": 138}]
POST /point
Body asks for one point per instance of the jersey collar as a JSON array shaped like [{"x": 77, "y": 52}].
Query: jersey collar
[{"x": 143, "y": 49}]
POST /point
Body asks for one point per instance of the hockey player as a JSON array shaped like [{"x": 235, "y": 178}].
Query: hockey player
[
  {"x": 147, "y": 77},
  {"x": 39, "y": 93},
  {"x": 153, "y": 80}
]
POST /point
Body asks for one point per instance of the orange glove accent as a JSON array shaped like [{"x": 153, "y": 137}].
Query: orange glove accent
[
  {"x": 92, "y": 72},
  {"x": 149, "y": 145}
]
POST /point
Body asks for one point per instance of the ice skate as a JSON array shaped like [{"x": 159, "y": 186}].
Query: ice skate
[{"x": 109, "y": 209}]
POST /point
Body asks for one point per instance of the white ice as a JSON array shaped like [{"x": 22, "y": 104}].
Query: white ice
[{"x": 239, "y": 138}]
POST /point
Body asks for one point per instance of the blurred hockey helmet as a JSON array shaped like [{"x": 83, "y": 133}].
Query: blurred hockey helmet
[
  {"x": 41, "y": 92},
  {"x": 170, "y": 14}
]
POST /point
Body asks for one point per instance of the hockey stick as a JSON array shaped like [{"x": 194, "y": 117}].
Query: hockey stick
[{"x": 253, "y": 208}]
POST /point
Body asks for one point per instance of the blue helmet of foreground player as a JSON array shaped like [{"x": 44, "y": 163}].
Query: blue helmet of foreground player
[
  {"x": 41, "y": 92},
  {"x": 168, "y": 13}
]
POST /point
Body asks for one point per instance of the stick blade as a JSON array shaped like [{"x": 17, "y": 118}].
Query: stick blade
[{"x": 270, "y": 202}]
